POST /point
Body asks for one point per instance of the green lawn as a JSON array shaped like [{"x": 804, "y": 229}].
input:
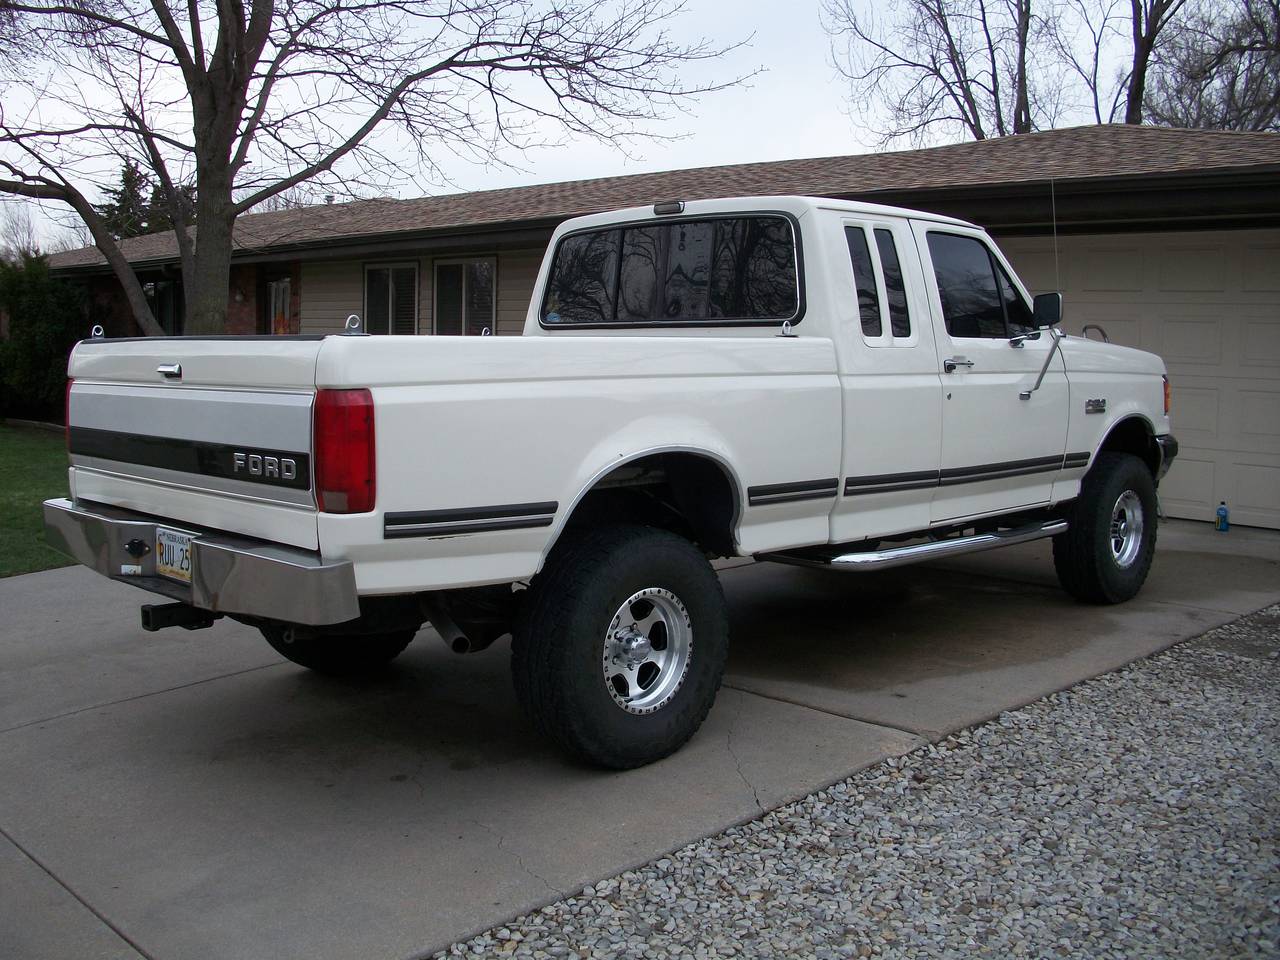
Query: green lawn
[{"x": 33, "y": 468}]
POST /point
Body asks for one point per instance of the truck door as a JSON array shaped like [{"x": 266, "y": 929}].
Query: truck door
[
  {"x": 1000, "y": 451},
  {"x": 891, "y": 389}
]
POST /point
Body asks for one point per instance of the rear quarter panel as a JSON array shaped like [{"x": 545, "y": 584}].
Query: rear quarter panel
[{"x": 475, "y": 422}]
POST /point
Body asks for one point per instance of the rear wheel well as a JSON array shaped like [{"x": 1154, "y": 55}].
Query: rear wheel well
[
  {"x": 687, "y": 493},
  {"x": 1134, "y": 435}
]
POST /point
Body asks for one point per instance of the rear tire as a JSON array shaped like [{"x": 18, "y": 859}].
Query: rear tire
[
  {"x": 1105, "y": 555},
  {"x": 339, "y": 655},
  {"x": 621, "y": 645}
]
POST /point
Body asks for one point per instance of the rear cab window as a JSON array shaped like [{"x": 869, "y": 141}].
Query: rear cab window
[{"x": 741, "y": 269}]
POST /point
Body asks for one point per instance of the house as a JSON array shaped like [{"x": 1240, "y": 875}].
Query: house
[{"x": 1165, "y": 239}]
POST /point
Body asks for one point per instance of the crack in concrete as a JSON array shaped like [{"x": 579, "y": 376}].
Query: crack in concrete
[
  {"x": 869, "y": 721},
  {"x": 502, "y": 839},
  {"x": 414, "y": 777},
  {"x": 75, "y": 894},
  {"x": 737, "y": 761},
  {"x": 138, "y": 696}
]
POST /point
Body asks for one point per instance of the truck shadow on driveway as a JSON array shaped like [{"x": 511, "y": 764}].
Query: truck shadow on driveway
[
  {"x": 868, "y": 631},
  {"x": 935, "y": 647}
]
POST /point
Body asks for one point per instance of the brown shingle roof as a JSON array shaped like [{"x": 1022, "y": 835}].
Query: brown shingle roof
[{"x": 1076, "y": 153}]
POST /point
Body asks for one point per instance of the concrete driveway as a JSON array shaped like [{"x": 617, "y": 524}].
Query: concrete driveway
[{"x": 184, "y": 794}]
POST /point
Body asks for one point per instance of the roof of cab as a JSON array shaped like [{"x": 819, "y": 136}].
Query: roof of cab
[{"x": 796, "y": 206}]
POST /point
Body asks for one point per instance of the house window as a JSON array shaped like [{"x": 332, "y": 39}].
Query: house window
[
  {"x": 167, "y": 304},
  {"x": 391, "y": 298},
  {"x": 277, "y": 304},
  {"x": 465, "y": 297}
]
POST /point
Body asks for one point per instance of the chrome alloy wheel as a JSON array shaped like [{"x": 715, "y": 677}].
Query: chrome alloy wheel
[
  {"x": 1126, "y": 529},
  {"x": 647, "y": 650}
]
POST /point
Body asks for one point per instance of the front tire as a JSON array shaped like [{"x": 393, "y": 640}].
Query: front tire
[
  {"x": 1106, "y": 553},
  {"x": 338, "y": 655},
  {"x": 621, "y": 645}
]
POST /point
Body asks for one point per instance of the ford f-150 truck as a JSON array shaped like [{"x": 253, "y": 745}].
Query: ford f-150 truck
[{"x": 798, "y": 380}]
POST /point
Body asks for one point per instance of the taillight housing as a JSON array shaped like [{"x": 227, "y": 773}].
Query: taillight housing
[
  {"x": 66, "y": 418},
  {"x": 1167, "y": 396},
  {"x": 342, "y": 425}
]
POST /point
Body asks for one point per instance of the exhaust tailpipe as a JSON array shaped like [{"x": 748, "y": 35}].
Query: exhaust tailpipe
[{"x": 449, "y": 631}]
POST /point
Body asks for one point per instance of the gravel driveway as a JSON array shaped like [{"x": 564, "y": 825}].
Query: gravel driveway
[{"x": 1136, "y": 814}]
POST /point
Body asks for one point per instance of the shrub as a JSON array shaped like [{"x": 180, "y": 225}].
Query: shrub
[{"x": 44, "y": 317}]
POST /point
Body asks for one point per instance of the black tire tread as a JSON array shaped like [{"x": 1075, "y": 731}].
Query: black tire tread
[
  {"x": 541, "y": 639},
  {"x": 1078, "y": 556}
]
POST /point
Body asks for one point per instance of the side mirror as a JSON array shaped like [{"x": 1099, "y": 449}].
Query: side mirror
[{"x": 1046, "y": 309}]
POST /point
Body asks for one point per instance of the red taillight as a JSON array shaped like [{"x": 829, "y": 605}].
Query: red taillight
[
  {"x": 344, "y": 451},
  {"x": 66, "y": 418},
  {"x": 1167, "y": 397}
]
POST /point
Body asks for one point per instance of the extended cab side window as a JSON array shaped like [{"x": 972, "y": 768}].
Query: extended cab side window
[
  {"x": 972, "y": 305},
  {"x": 894, "y": 286},
  {"x": 864, "y": 281},
  {"x": 723, "y": 269},
  {"x": 866, "y": 265}
]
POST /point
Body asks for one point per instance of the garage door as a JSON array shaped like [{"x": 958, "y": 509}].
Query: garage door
[{"x": 1209, "y": 303}]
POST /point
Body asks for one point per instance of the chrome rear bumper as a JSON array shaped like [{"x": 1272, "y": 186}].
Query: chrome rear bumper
[{"x": 229, "y": 574}]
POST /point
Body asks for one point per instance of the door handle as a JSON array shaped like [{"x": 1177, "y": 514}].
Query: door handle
[
  {"x": 951, "y": 363},
  {"x": 170, "y": 371}
]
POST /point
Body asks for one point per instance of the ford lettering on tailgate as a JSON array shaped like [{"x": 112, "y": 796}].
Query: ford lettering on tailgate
[
  {"x": 264, "y": 466},
  {"x": 284, "y": 468}
]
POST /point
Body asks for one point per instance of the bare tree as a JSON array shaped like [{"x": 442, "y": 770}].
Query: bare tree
[
  {"x": 988, "y": 68},
  {"x": 946, "y": 65},
  {"x": 1085, "y": 36},
  {"x": 295, "y": 198},
  {"x": 249, "y": 99},
  {"x": 1149, "y": 19},
  {"x": 70, "y": 235},
  {"x": 1220, "y": 69},
  {"x": 18, "y": 237}
]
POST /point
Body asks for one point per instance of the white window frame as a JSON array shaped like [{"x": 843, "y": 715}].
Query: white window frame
[
  {"x": 492, "y": 259},
  {"x": 390, "y": 265}
]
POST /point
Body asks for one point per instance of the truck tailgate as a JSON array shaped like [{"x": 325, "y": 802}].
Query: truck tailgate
[{"x": 211, "y": 433}]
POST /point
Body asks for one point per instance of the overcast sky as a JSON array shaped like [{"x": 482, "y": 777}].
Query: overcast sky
[{"x": 795, "y": 106}]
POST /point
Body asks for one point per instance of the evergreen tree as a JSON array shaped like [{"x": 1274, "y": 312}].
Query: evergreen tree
[{"x": 127, "y": 212}]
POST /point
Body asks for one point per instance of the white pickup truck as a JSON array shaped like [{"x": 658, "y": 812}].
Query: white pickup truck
[{"x": 800, "y": 380}]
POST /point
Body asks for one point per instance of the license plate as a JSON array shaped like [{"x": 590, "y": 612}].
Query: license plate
[{"x": 173, "y": 554}]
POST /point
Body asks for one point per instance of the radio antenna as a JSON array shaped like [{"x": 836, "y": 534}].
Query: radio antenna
[{"x": 1053, "y": 206}]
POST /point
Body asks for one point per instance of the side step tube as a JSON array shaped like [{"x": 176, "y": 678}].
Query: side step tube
[{"x": 919, "y": 552}]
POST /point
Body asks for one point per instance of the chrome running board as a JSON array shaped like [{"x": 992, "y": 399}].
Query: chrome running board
[{"x": 919, "y": 552}]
